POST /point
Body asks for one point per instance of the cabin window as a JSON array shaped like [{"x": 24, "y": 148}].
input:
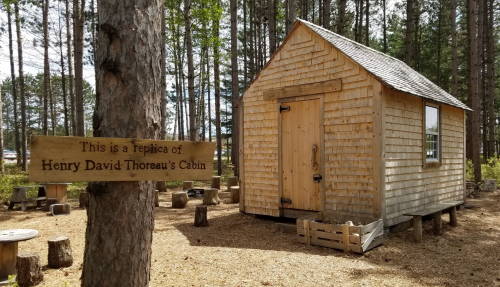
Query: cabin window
[{"x": 432, "y": 133}]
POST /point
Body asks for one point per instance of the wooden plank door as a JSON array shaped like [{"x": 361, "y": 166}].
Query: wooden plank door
[{"x": 301, "y": 154}]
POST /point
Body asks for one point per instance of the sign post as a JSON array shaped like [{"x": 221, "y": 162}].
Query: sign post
[{"x": 56, "y": 159}]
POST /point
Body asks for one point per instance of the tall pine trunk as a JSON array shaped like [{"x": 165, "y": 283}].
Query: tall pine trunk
[
  {"x": 292, "y": 14},
  {"x": 72, "y": 99},
  {"x": 121, "y": 214},
  {"x": 367, "y": 35},
  {"x": 341, "y": 17},
  {"x": 78, "y": 24},
  {"x": 46, "y": 67},
  {"x": 271, "y": 14},
  {"x": 473, "y": 88},
  {"x": 384, "y": 25},
  {"x": 454, "y": 55},
  {"x": 215, "y": 27},
  {"x": 326, "y": 14},
  {"x": 409, "y": 28},
  {"x": 491, "y": 77},
  {"x": 21, "y": 88},
  {"x": 14, "y": 89},
  {"x": 235, "y": 83},
  {"x": 193, "y": 135},
  {"x": 63, "y": 78},
  {"x": 2, "y": 167}
]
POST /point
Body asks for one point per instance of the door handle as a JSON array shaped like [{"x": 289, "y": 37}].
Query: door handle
[{"x": 314, "y": 164}]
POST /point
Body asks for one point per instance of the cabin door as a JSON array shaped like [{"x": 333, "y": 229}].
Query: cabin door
[{"x": 301, "y": 155}]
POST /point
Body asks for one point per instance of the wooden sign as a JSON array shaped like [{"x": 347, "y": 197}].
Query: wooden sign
[{"x": 61, "y": 159}]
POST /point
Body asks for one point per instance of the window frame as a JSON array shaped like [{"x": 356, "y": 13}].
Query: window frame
[{"x": 431, "y": 162}]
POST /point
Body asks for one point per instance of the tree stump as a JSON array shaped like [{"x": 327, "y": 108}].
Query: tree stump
[
  {"x": 60, "y": 254},
  {"x": 200, "y": 216},
  {"x": 215, "y": 182},
  {"x": 29, "y": 269},
  {"x": 235, "y": 194},
  {"x": 211, "y": 196},
  {"x": 161, "y": 186},
  {"x": 187, "y": 185},
  {"x": 179, "y": 199},
  {"x": 490, "y": 185},
  {"x": 84, "y": 200},
  {"x": 232, "y": 181},
  {"x": 157, "y": 200},
  {"x": 49, "y": 202}
]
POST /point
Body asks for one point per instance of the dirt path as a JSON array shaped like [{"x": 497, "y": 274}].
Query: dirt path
[{"x": 242, "y": 250}]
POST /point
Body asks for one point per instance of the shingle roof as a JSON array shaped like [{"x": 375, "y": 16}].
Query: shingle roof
[{"x": 390, "y": 71}]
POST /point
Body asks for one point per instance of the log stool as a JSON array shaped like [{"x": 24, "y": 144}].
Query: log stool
[
  {"x": 232, "y": 181},
  {"x": 179, "y": 199},
  {"x": 157, "y": 200},
  {"x": 49, "y": 202},
  {"x": 29, "y": 269},
  {"x": 215, "y": 182},
  {"x": 187, "y": 185},
  {"x": 60, "y": 254},
  {"x": 235, "y": 194},
  {"x": 84, "y": 200},
  {"x": 161, "y": 186},
  {"x": 211, "y": 196},
  {"x": 200, "y": 216}
]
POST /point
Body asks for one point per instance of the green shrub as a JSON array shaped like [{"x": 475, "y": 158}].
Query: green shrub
[{"x": 489, "y": 170}]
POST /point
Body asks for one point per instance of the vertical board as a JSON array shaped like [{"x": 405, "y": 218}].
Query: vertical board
[{"x": 300, "y": 129}]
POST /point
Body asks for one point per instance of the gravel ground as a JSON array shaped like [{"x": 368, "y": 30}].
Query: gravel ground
[{"x": 244, "y": 250}]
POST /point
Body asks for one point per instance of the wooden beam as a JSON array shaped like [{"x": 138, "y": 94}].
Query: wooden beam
[{"x": 302, "y": 90}]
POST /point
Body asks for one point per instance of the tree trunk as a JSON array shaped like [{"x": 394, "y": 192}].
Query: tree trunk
[
  {"x": 46, "y": 67},
  {"x": 491, "y": 77},
  {"x": 271, "y": 14},
  {"x": 121, "y": 214},
  {"x": 63, "y": 79},
  {"x": 78, "y": 24},
  {"x": 454, "y": 61},
  {"x": 2, "y": 167},
  {"x": 409, "y": 28},
  {"x": 14, "y": 89},
  {"x": 21, "y": 87},
  {"x": 211, "y": 196},
  {"x": 341, "y": 17},
  {"x": 473, "y": 89},
  {"x": 200, "y": 216},
  {"x": 193, "y": 135},
  {"x": 367, "y": 35},
  {"x": 292, "y": 14},
  {"x": 360, "y": 25},
  {"x": 179, "y": 199},
  {"x": 326, "y": 14},
  {"x": 29, "y": 269},
  {"x": 481, "y": 78},
  {"x": 209, "y": 106},
  {"x": 245, "y": 68},
  {"x": 235, "y": 82},
  {"x": 70, "y": 72},
  {"x": 215, "y": 26},
  {"x": 384, "y": 26},
  {"x": 438, "y": 40}
]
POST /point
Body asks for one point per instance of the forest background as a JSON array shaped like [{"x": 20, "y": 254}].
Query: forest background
[{"x": 214, "y": 50}]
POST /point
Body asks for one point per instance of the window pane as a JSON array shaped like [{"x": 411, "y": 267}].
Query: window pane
[{"x": 431, "y": 119}]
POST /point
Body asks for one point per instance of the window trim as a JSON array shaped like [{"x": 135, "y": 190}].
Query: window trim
[{"x": 432, "y": 162}]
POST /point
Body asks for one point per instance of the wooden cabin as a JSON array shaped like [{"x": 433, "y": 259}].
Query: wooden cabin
[{"x": 334, "y": 126}]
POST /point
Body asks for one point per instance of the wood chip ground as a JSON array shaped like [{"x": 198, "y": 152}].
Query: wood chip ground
[{"x": 243, "y": 250}]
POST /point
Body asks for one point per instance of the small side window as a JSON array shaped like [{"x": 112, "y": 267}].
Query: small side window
[{"x": 432, "y": 133}]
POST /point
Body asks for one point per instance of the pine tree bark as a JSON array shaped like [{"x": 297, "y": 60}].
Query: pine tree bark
[
  {"x": 215, "y": 31},
  {"x": 78, "y": 25},
  {"x": 63, "y": 80},
  {"x": 46, "y": 67},
  {"x": 341, "y": 17},
  {"x": 326, "y": 14},
  {"x": 21, "y": 87},
  {"x": 193, "y": 134},
  {"x": 367, "y": 35},
  {"x": 409, "y": 28},
  {"x": 271, "y": 14},
  {"x": 72, "y": 99},
  {"x": 481, "y": 76},
  {"x": 235, "y": 84},
  {"x": 473, "y": 88},
  {"x": 121, "y": 214},
  {"x": 14, "y": 89},
  {"x": 491, "y": 77},
  {"x": 245, "y": 67},
  {"x": 438, "y": 40},
  {"x": 2, "y": 167},
  {"x": 292, "y": 15},
  {"x": 454, "y": 57}
]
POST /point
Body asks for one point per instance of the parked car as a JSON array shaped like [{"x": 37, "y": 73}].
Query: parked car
[{"x": 9, "y": 154}]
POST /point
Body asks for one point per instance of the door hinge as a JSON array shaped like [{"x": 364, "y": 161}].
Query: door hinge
[
  {"x": 284, "y": 108},
  {"x": 286, "y": 200}
]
